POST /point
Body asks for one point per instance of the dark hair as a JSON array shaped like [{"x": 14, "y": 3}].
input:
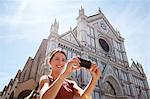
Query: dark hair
[{"x": 51, "y": 54}]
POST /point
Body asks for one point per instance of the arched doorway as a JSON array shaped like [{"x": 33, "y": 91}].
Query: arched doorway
[
  {"x": 111, "y": 88},
  {"x": 24, "y": 94}
]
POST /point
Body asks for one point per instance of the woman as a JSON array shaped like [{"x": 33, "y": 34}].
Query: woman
[{"x": 57, "y": 86}]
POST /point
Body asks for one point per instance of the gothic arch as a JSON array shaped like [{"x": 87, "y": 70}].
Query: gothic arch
[{"x": 114, "y": 84}]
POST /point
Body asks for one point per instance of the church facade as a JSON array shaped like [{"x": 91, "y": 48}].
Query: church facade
[{"x": 93, "y": 39}]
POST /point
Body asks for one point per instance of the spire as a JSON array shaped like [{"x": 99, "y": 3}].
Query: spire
[
  {"x": 81, "y": 11},
  {"x": 118, "y": 32},
  {"x": 70, "y": 28},
  {"x": 54, "y": 27},
  {"x": 55, "y": 22},
  {"x": 99, "y": 10}
]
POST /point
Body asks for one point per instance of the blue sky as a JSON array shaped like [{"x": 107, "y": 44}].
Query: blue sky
[{"x": 24, "y": 23}]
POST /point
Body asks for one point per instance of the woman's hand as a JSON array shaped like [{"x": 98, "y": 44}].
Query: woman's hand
[
  {"x": 95, "y": 72},
  {"x": 71, "y": 65}
]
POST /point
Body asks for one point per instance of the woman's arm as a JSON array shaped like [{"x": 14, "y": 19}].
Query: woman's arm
[
  {"x": 52, "y": 90},
  {"x": 83, "y": 94}
]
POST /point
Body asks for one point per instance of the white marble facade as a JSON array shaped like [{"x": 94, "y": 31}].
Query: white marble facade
[{"x": 94, "y": 39}]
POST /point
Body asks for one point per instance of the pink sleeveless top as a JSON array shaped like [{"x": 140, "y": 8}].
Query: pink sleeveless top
[{"x": 66, "y": 91}]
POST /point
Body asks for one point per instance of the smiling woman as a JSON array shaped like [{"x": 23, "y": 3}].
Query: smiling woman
[{"x": 56, "y": 85}]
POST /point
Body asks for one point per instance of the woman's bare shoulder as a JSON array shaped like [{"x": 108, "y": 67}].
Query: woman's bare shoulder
[{"x": 44, "y": 79}]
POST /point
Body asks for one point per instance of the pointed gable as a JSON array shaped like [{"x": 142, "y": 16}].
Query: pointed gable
[
  {"x": 102, "y": 25},
  {"x": 70, "y": 37}
]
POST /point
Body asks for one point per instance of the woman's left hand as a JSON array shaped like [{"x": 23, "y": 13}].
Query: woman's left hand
[{"x": 95, "y": 72}]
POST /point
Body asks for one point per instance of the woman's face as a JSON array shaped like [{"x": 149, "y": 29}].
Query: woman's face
[{"x": 58, "y": 62}]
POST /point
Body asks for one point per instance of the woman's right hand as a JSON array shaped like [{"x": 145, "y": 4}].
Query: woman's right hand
[{"x": 71, "y": 65}]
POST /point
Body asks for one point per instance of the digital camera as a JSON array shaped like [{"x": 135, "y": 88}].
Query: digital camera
[{"x": 85, "y": 63}]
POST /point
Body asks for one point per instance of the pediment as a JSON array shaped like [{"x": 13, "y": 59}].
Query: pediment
[
  {"x": 109, "y": 71},
  {"x": 70, "y": 37},
  {"x": 103, "y": 26}
]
